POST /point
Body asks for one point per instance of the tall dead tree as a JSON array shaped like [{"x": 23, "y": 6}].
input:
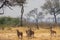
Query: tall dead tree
[{"x": 21, "y": 3}]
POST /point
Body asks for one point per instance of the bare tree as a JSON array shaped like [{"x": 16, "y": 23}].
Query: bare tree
[
  {"x": 21, "y": 3},
  {"x": 37, "y": 16},
  {"x": 52, "y": 7}
]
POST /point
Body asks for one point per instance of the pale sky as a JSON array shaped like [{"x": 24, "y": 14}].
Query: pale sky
[{"x": 31, "y": 4}]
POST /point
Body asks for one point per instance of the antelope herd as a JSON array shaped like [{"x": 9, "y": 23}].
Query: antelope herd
[{"x": 31, "y": 33}]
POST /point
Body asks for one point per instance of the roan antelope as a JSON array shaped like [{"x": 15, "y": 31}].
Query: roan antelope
[
  {"x": 19, "y": 34},
  {"x": 30, "y": 33},
  {"x": 53, "y": 33}
]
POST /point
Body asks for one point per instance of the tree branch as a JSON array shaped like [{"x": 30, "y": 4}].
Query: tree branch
[{"x": 2, "y": 5}]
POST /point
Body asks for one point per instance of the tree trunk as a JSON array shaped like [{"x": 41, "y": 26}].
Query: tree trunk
[
  {"x": 55, "y": 18},
  {"x": 22, "y": 11},
  {"x": 37, "y": 23}
]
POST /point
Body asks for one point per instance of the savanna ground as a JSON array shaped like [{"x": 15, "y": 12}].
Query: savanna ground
[{"x": 41, "y": 34}]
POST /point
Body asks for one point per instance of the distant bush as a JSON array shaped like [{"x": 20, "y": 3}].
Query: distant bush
[{"x": 8, "y": 21}]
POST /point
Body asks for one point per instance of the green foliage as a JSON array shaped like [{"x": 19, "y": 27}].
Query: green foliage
[{"x": 8, "y": 21}]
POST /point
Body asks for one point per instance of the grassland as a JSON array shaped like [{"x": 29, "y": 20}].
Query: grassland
[{"x": 41, "y": 34}]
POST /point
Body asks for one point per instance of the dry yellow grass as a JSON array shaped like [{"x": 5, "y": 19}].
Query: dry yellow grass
[{"x": 41, "y": 34}]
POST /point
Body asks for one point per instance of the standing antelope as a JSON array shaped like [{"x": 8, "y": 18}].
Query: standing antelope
[
  {"x": 53, "y": 33},
  {"x": 30, "y": 33},
  {"x": 19, "y": 34}
]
